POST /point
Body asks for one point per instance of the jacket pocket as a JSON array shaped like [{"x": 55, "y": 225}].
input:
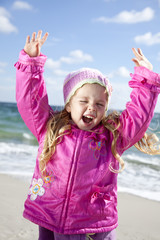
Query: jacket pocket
[{"x": 103, "y": 201}]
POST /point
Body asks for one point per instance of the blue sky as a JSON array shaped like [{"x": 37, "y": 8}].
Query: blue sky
[{"x": 82, "y": 33}]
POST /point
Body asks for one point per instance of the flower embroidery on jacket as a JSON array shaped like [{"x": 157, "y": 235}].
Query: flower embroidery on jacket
[
  {"x": 36, "y": 189},
  {"x": 48, "y": 179},
  {"x": 98, "y": 148}
]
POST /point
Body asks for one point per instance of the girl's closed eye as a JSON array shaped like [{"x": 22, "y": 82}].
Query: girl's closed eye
[
  {"x": 100, "y": 104},
  {"x": 83, "y": 101}
]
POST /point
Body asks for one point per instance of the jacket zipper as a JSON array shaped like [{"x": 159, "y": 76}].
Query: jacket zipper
[{"x": 70, "y": 182}]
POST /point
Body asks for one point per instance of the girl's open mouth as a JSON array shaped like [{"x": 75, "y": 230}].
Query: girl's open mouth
[{"x": 87, "y": 119}]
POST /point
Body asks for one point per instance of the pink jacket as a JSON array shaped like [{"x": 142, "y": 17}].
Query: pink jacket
[{"x": 79, "y": 195}]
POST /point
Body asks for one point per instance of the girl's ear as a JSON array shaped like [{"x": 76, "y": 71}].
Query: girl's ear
[{"x": 68, "y": 107}]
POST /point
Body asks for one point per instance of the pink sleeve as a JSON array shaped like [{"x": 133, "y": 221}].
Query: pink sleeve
[
  {"x": 31, "y": 95},
  {"x": 140, "y": 110}
]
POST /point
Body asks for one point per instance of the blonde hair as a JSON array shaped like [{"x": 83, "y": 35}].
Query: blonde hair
[
  {"x": 59, "y": 125},
  {"x": 149, "y": 144},
  {"x": 112, "y": 123}
]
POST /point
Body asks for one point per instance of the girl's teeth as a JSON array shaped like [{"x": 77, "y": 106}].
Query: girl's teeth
[{"x": 87, "y": 119}]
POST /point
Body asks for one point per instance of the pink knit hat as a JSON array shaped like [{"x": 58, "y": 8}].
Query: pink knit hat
[{"x": 77, "y": 79}]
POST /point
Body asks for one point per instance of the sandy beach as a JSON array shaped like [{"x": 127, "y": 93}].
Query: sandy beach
[{"x": 139, "y": 219}]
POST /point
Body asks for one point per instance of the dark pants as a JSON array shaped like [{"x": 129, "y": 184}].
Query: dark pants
[{"x": 45, "y": 234}]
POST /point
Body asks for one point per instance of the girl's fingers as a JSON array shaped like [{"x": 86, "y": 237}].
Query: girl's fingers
[
  {"x": 140, "y": 59},
  {"x": 28, "y": 39},
  {"x": 45, "y": 37},
  {"x": 136, "y": 61},
  {"x": 38, "y": 49},
  {"x": 33, "y": 37},
  {"x": 39, "y": 35},
  {"x": 140, "y": 51},
  {"x": 33, "y": 45},
  {"x": 137, "y": 54}
]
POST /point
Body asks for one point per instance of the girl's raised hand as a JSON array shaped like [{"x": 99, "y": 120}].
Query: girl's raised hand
[
  {"x": 33, "y": 45},
  {"x": 140, "y": 59}
]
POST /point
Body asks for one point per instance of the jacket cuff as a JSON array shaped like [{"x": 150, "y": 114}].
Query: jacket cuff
[
  {"x": 30, "y": 64},
  {"x": 143, "y": 77}
]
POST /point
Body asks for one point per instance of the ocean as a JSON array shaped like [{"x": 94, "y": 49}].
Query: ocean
[{"x": 18, "y": 150}]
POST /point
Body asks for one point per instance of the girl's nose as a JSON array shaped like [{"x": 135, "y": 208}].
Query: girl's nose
[{"x": 92, "y": 107}]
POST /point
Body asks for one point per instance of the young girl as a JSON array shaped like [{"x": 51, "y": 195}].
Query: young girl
[{"x": 73, "y": 194}]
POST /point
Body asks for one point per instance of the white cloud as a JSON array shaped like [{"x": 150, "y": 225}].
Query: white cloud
[
  {"x": 121, "y": 72},
  {"x": 3, "y": 64},
  {"x": 7, "y": 93},
  {"x": 54, "y": 39},
  {"x": 20, "y": 5},
  {"x": 5, "y": 25},
  {"x": 2, "y": 67},
  {"x": 4, "y": 12},
  {"x": 120, "y": 95},
  {"x": 60, "y": 72},
  {"x": 51, "y": 64},
  {"x": 53, "y": 81},
  {"x": 129, "y": 17},
  {"x": 158, "y": 58},
  {"x": 75, "y": 57},
  {"x": 148, "y": 39}
]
